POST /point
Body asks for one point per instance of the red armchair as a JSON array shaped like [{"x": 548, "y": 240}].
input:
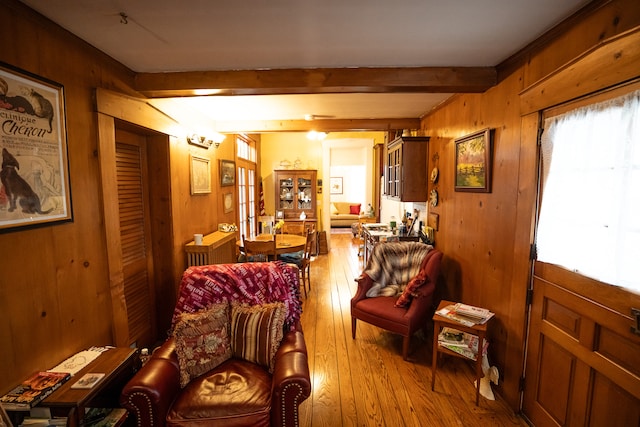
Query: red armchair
[
  {"x": 396, "y": 263},
  {"x": 236, "y": 392}
]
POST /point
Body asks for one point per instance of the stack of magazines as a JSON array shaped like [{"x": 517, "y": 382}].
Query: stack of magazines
[
  {"x": 32, "y": 390},
  {"x": 461, "y": 342},
  {"x": 467, "y": 315}
]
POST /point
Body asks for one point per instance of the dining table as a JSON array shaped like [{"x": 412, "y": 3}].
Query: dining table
[{"x": 285, "y": 243}]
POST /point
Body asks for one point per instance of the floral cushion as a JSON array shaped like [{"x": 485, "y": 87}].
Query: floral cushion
[
  {"x": 257, "y": 331},
  {"x": 202, "y": 341}
]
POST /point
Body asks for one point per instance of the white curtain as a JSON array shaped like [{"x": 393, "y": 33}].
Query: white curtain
[{"x": 590, "y": 210}]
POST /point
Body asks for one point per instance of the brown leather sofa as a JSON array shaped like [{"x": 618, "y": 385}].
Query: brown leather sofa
[
  {"x": 395, "y": 263},
  {"x": 235, "y": 393},
  {"x": 155, "y": 398}
]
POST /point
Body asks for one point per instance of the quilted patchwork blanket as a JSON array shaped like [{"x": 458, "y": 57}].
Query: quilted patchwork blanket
[
  {"x": 251, "y": 283},
  {"x": 394, "y": 263}
]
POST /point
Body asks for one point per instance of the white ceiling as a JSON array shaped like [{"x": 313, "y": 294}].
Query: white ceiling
[{"x": 200, "y": 35}]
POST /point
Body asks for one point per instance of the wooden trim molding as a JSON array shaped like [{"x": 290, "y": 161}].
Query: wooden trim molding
[
  {"x": 611, "y": 62},
  {"x": 137, "y": 111},
  {"x": 107, "y": 151}
]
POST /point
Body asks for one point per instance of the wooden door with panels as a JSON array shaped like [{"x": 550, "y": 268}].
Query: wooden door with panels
[
  {"x": 583, "y": 347},
  {"x": 583, "y": 359}
]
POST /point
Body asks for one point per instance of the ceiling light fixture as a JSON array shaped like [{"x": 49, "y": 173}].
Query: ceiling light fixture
[{"x": 316, "y": 136}]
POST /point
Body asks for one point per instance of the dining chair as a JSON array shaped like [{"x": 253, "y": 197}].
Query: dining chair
[
  {"x": 309, "y": 253},
  {"x": 302, "y": 259},
  {"x": 259, "y": 250},
  {"x": 296, "y": 227}
]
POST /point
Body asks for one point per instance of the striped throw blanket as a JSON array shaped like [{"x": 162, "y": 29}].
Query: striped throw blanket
[{"x": 394, "y": 263}]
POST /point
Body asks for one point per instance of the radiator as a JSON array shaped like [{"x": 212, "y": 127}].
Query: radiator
[{"x": 216, "y": 248}]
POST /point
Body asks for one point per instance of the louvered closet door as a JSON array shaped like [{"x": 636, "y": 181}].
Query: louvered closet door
[{"x": 135, "y": 236}]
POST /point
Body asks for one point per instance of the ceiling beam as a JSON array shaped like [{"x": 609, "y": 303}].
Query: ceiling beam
[
  {"x": 317, "y": 80},
  {"x": 324, "y": 125}
]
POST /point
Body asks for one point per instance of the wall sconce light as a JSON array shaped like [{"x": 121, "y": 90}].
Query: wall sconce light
[
  {"x": 204, "y": 142},
  {"x": 217, "y": 138}
]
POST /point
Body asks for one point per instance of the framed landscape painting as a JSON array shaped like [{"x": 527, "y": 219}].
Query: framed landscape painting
[{"x": 473, "y": 162}]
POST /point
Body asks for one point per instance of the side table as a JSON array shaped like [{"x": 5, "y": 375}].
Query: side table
[
  {"x": 118, "y": 364},
  {"x": 440, "y": 322}
]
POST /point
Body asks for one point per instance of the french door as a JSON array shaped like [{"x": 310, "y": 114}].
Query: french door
[{"x": 247, "y": 198}]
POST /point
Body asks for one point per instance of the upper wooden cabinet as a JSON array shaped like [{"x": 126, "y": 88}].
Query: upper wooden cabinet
[
  {"x": 296, "y": 192},
  {"x": 405, "y": 169}
]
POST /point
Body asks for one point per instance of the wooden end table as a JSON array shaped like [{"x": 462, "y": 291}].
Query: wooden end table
[
  {"x": 440, "y": 322},
  {"x": 118, "y": 364}
]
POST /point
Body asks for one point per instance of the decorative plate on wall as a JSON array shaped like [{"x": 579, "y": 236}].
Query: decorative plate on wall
[
  {"x": 433, "y": 197},
  {"x": 434, "y": 175}
]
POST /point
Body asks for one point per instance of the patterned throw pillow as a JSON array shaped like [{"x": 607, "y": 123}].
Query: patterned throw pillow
[
  {"x": 257, "y": 331},
  {"x": 411, "y": 288},
  {"x": 202, "y": 341}
]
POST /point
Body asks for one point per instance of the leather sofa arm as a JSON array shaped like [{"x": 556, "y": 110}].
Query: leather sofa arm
[
  {"x": 291, "y": 383},
  {"x": 152, "y": 390}
]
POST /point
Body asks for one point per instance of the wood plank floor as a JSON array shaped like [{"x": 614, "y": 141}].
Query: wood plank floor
[{"x": 365, "y": 382}]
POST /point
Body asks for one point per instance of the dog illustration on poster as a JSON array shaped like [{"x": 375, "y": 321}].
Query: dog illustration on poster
[{"x": 16, "y": 189}]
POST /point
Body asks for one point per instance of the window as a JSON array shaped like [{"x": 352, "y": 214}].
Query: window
[
  {"x": 246, "y": 148},
  {"x": 590, "y": 207}
]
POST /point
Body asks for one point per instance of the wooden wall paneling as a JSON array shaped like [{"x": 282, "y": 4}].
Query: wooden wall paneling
[
  {"x": 603, "y": 21},
  {"x": 180, "y": 207},
  {"x": 226, "y": 151},
  {"x": 162, "y": 229},
  {"x": 478, "y": 230},
  {"x": 55, "y": 288}
]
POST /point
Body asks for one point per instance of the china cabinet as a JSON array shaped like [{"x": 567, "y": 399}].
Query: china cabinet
[
  {"x": 405, "y": 169},
  {"x": 295, "y": 193}
]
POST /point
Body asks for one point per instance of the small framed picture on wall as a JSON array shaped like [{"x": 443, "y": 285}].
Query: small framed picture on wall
[{"x": 335, "y": 185}]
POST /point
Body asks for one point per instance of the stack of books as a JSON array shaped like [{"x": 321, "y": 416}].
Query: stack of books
[
  {"x": 467, "y": 315},
  {"x": 32, "y": 390},
  {"x": 461, "y": 342}
]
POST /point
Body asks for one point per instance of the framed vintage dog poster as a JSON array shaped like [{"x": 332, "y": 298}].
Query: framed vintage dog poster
[{"x": 35, "y": 188}]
